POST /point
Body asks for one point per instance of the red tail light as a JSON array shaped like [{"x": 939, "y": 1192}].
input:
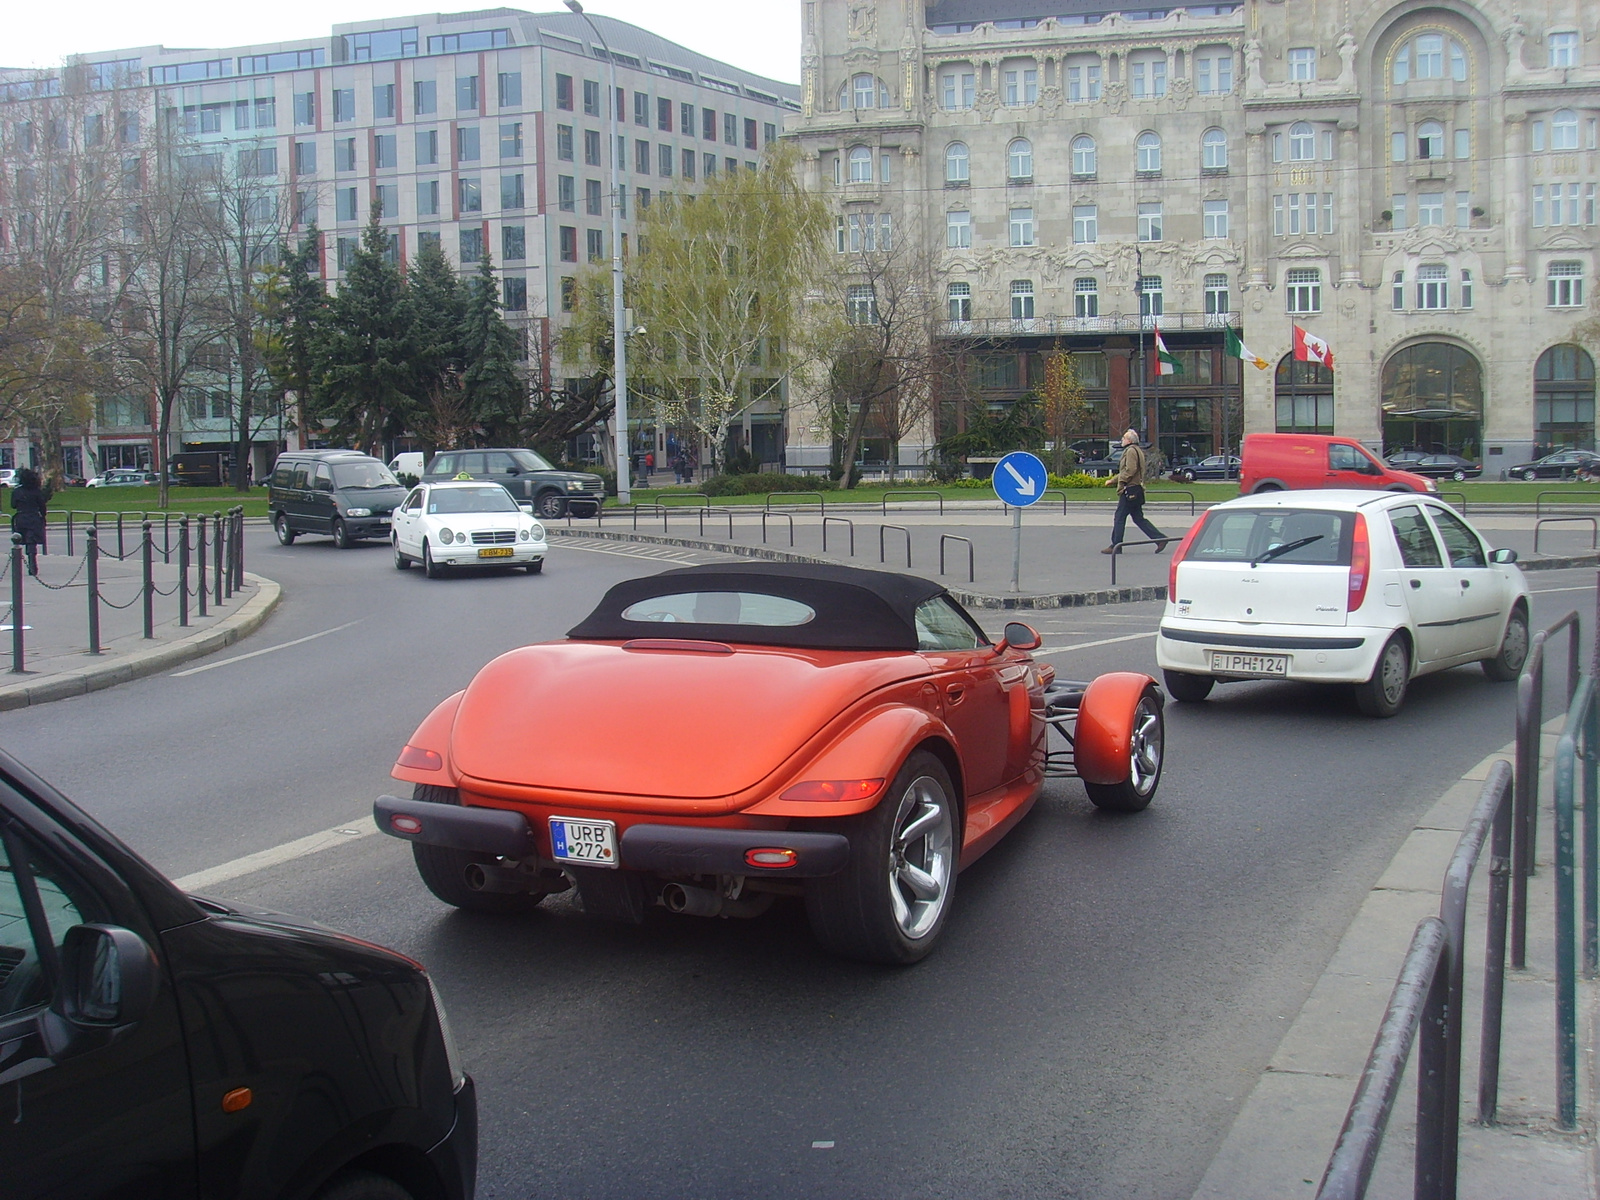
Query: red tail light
[
  {"x": 1360, "y": 564},
  {"x": 1177, "y": 557},
  {"x": 420, "y": 760},
  {"x": 771, "y": 857},
  {"x": 824, "y": 790}
]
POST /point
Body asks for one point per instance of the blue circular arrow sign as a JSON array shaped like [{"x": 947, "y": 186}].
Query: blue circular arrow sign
[{"x": 1020, "y": 479}]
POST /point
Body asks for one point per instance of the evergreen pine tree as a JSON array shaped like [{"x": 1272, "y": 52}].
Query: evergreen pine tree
[
  {"x": 365, "y": 356},
  {"x": 297, "y": 318},
  {"x": 495, "y": 392},
  {"x": 439, "y": 317}
]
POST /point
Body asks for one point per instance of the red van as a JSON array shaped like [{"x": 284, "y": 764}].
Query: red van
[{"x": 1277, "y": 462}]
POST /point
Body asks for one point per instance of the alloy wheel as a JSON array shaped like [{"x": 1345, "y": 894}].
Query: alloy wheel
[
  {"x": 1144, "y": 758},
  {"x": 921, "y": 860}
]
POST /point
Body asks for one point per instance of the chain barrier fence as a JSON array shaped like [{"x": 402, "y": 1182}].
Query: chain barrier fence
[{"x": 211, "y": 547}]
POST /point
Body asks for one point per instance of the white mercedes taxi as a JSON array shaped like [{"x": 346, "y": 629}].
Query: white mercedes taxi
[
  {"x": 1349, "y": 587},
  {"x": 465, "y": 524}
]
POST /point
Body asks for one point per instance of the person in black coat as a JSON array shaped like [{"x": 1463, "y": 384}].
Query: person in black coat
[{"x": 29, "y": 499}]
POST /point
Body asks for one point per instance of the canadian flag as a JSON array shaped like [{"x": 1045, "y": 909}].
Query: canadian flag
[{"x": 1308, "y": 347}]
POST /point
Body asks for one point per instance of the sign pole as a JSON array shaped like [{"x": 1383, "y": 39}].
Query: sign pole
[
  {"x": 1016, "y": 549},
  {"x": 1020, "y": 479}
]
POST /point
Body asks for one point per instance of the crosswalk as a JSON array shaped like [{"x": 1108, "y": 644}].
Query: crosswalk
[{"x": 672, "y": 554}]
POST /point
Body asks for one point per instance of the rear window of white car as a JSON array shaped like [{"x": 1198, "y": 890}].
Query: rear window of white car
[{"x": 1253, "y": 535}]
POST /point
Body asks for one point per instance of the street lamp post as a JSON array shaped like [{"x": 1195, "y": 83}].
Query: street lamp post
[{"x": 619, "y": 333}]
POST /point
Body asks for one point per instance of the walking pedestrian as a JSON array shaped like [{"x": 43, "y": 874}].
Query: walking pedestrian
[
  {"x": 29, "y": 499},
  {"x": 1129, "y": 482}
]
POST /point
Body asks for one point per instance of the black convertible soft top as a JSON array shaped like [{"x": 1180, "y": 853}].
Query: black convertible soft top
[{"x": 854, "y": 609}]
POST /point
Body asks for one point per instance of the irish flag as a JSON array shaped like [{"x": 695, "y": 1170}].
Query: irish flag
[
  {"x": 1233, "y": 344},
  {"x": 1308, "y": 347},
  {"x": 1166, "y": 364}
]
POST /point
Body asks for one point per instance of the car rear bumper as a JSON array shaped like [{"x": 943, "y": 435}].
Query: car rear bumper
[{"x": 1315, "y": 653}]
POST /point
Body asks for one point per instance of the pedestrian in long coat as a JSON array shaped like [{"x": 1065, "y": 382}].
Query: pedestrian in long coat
[{"x": 29, "y": 500}]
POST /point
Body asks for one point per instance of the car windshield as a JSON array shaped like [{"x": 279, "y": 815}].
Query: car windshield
[
  {"x": 1250, "y": 535},
  {"x": 529, "y": 461},
  {"x": 363, "y": 475},
  {"x": 488, "y": 499},
  {"x": 720, "y": 608}
]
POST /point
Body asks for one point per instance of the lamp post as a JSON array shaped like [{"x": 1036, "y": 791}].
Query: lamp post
[{"x": 619, "y": 333}]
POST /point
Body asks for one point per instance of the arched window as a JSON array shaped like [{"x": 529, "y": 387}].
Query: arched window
[
  {"x": 1022, "y": 299},
  {"x": 1564, "y": 130},
  {"x": 956, "y": 163},
  {"x": 1083, "y": 155},
  {"x": 1425, "y": 56},
  {"x": 1019, "y": 160},
  {"x": 1563, "y": 397},
  {"x": 1086, "y": 296},
  {"x": 1302, "y": 142},
  {"x": 1430, "y": 140},
  {"x": 860, "y": 164},
  {"x": 1432, "y": 399},
  {"x": 1304, "y": 396},
  {"x": 865, "y": 89},
  {"x": 1149, "y": 146},
  {"x": 1214, "y": 150}
]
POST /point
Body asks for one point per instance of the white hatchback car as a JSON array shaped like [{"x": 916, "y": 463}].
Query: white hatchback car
[
  {"x": 1352, "y": 587},
  {"x": 465, "y": 524}
]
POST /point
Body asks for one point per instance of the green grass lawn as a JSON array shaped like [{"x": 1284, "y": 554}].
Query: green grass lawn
[{"x": 191, "y": 500}]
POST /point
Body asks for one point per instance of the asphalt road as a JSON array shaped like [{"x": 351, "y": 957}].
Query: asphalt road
[{"x": 1108, "y": 990}]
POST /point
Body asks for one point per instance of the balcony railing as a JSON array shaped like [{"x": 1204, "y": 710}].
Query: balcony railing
[{"x": 1114, "y": 323}]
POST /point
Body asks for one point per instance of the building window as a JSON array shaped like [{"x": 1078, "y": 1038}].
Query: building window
[
  {"x": 305, "y": 158},
  {"x": 1304, "y": 290},
  {"x": 344, "y": 104},
  {"x": 860, "y": 165},
  {"x": 689, "y": 162},
  {"x": 1022, "y": 226},
  {"x": 1150, "y": 222},
  {"x": 958, "y": 230},
  {"x": 959, "y": 296},
  {"x": 1019, "y": 161},
  {"x": 425, "y": 98},
  {"x": 1397, "y": 211},
  {"x": 1397, "y": 298},
  {"x": 1085, "y": 224},
  {"x": 1084, "y": 157},
  {"x": 1022, "y": 299},
  {"x": 1215, "y": 219},
  {"x": 569, "y": 294},
  {"x": 469, "y": 196},
  {"x": 384, "y": 152},
  {"x": 1564, "y": 130},
  {"x": 1148, "y": 75},
  {"x": 383, "y": 100},
  {"x": 1021, "y": 86},
  {"x": 1083, "y": 82},
  {"x": 1214, "y": 150},
  {"x": 467, "y": 147},
  {"x": 471, "y": 244},
  {"x": 344, "y": 204},
  {"x": 1563, "y": 397},
  {"x": 1565, "y": 281},
  {"x": 1214, "y": 72},
  {"x": 305, "y": 108},
  {"x": 1151, "y": 296},
  {"x": 466, "y": 93},
  {"x": 1086, "y": 297},
  {"x": 1430, "y": 140},
  {"x": 564, "y": 143},
  {"x": 1304, "y": 397},
  {"x": 592, "y": 197},
  {"x": 1302, "y": 64},
  {"x": 596, "y": 245},
  {"x": 511, "y": 140},
  {"x": 591, "y": 97},
  {"x": 591, "y": 147},
  {"x": 1216, "y": 287},
  {"x": 750, "y": 142},
  {"x": 1430, "y": 208},
  {"x": 956, "y": 163},
  {"x": 730, "y": 129},
  {"x": 1463, "y": 209},
  {"x": 686, "y": 119},
  {"x": 641, "y": 157},
  {"x": 1424, "y": 58},
  {"x": 664, "y": 115},
  {"x": 958, "y": 89},
  {"x": 427, "y": 147},
  {"x": 1149, "y": 153},
  {"x": 641, "y": 109},
  {"x": 344, "y": 154},
  {"x": 511, "y": 191},
  {"x": 1302, "y": 142},
  {"x": 514, "y": 295},
  {"x": 1563, "y": 49},
  {"x": 1466, "y": 289},
  {"x": 569, "y": 244},
  {"x": 1433, "y": 286},
  {"x": 861, "y": 304},
  {"x": 664, "y": 161},
  {"x": 427, "y": 197}
]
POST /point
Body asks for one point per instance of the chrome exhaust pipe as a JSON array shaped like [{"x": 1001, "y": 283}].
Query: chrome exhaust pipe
[
  {"x": 691, "y": 901},
  {"x": 495, "y": 878}
]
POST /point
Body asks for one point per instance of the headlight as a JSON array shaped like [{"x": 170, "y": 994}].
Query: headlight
[
  {"x": 358, "y": 512},
  {"x": 447, "y": 537},
  {"x": 1433, "y": 485},
  {"x": 574, "y": 485},
  {"x": 452, "y": 1056},
  {"x": 522, "y": 535},
  {"x": 537, "y": 532}
]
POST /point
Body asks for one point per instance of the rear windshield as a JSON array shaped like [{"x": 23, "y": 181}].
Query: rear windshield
[
  {"x": 720, "y": 608},
  {"x": 1249, "y": 535},
  {"x": 491, "y": 498},
  {"x": 370, "y": 474}
]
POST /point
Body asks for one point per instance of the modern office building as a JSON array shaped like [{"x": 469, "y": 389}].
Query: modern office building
[
  {"x": 484, "y": 131},
  {"x": 1415, "y": 183}
]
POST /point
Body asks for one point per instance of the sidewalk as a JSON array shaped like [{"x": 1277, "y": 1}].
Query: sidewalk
[
  {"x": 1280, "y": 1142},
  {"x": 55, "y": 616}
]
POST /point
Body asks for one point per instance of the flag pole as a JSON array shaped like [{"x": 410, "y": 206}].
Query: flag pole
[
  {"x": 1144, "y": 409},
  {"x": 1294, "y": 391}
]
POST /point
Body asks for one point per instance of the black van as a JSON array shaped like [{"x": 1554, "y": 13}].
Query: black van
[
  {"x": 343, "y": 493},
  {"x": 158, "y": 1044},
  {"x": 527, "y": 476}
]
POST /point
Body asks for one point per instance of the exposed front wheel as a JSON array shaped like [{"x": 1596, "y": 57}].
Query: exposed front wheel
[
  {"x": 430, "y": 568},
  {"x": 1385, "y": 692},
  {"x": 448, "y": 873},
  {"x": 551, "y": 506},
  {"x": 1146, "y": 753},
  {"x": 341, "y": 535},
  {"x": 1505, "y": 666},
  {"x": 1459, "y": 476},
  {"x": 1191, "y": 689},
  {"x": 890, "y": 902},
  {"x": 280, "y": 526}
]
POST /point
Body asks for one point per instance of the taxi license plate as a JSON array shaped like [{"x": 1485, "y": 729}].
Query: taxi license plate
[
  {"x": 588, "y": 843},
  {"x": 1227, "y": 662},
  {"x": 495, "y": 552}
]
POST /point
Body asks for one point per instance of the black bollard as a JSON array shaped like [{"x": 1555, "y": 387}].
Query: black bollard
[
  {"x": 216, "y": 534},
  {"x": 16, "y": 603},
  {"x": 183, "y": 572},
  {"x": 200, "y": 572},
  {"x": 92, "y": 553},
  {"x": 147, "y": 552}
]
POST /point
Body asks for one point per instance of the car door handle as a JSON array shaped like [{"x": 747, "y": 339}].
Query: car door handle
[
  {"x": 955, "y": 692},
  {"x": 1416, "y": 583},
  {"x": 1466, "y": 583}
]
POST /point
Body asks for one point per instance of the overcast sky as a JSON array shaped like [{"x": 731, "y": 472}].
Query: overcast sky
[{"x": 758, "y": 35}]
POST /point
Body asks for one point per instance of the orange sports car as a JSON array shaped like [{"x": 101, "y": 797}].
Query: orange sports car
[{"x": 712, "y": 738}]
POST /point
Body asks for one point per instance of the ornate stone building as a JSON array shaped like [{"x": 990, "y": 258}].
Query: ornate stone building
[{"x": 1414, "y": 182}]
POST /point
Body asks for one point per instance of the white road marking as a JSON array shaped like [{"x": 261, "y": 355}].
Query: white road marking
[
  {"x": 822, "y": 1145},
  {"x": 269, "y": 650},
  {"x": 1132, "y": 637},
  {"x": 662, "y": 553},
  {"x": 262, "y": 859},
  {"x": 1547, "y": 591}
]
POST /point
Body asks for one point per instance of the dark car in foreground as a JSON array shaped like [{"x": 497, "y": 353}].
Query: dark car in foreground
[
  {"x": 155, "y": 1044},
  {"x": 1563, "y": 464},
  {"x": 527, "y": 476},
  {"x": 1437, "y": 466}
]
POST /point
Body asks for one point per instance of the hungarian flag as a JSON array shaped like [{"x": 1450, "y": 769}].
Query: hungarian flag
[
  {"x": 1308, "y": 347},
  {"x": 1234, "y": 346},
  {"x": 1166, "y": 364}
]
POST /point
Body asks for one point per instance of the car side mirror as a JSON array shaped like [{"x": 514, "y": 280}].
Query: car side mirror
[
  {"x": 1503, "y": 556},
  {"x": 527, "y": 508},
  {"x": 1019, "y": 637},
  {"x": 110, "y": 974}
]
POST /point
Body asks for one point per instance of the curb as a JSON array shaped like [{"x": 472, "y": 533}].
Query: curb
[{"x": 152, "y": 661}]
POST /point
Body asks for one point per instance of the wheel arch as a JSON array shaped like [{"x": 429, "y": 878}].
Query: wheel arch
[
  {"x": 1104, "y": 730},
  {"x": 1269, "y": 485},
  {"x": 945, "y": 752},
  {"x": 406, "y": 1165}
]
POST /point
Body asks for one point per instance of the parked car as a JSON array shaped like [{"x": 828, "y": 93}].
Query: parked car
[
  {"x": 1442, "y": 466},
  {"x": 1218, "y": 466},
  {"x": 158, "y": 1044},
  {"x": 843, "y": 735},
  {"x": 448, "y": 525},
  {"x": 124, "y": 477},
  {"x": 1275, "y": 462},
  {"x": 1402, "y": 459},
  {"x": 1339, "y": 587},
  {"x": 8, "y": 477},
  {"x": 526, "y": 476},
  {"x": 1563, "y": 464},
  {"x": 408, "y": 463},
  {"x": 342, "y": 493}
]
